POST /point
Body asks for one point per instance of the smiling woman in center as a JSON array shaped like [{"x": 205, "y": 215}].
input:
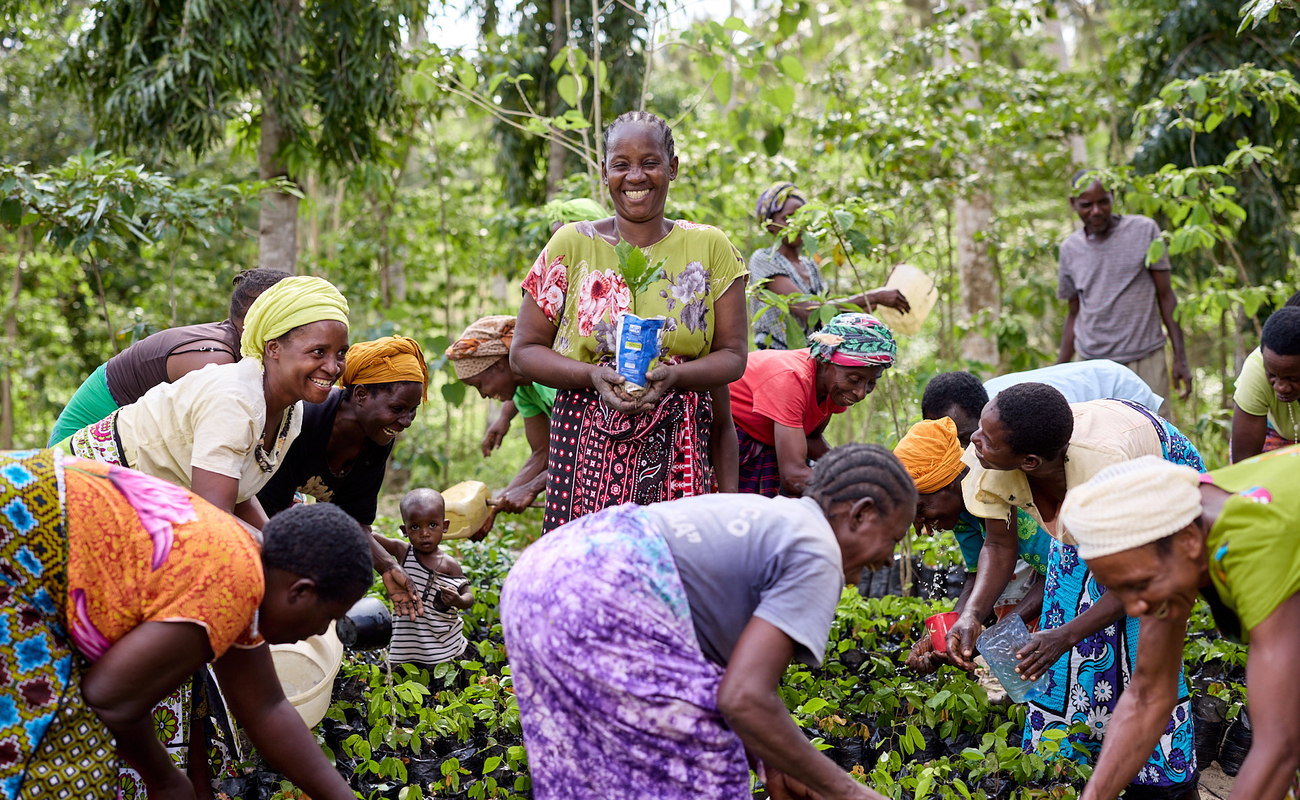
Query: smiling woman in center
[{"x": 607, "y": 445}]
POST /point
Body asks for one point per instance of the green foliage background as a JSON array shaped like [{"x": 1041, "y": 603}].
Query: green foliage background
[{"x": 423, "y": 169}]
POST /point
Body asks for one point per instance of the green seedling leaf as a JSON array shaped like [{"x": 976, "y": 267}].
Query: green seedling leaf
[
  {"x": 814, "y": 705},
  {"x": 570, "y": 88},
  {"x": 736, "y": 24},
  {"x": 637, "y": 271}
]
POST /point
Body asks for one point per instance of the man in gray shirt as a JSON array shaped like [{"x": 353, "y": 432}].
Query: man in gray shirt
[{"x": 1117, "y": 302}]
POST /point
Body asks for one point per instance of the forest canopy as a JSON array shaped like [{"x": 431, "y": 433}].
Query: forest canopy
[{"x": 156, "y": 149}]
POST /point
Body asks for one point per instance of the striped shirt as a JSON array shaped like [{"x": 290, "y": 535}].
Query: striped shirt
[{"x": 437, "y": 636}]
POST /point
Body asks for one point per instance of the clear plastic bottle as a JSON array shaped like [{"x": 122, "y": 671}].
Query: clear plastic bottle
[{"x": 999, "y": 646}]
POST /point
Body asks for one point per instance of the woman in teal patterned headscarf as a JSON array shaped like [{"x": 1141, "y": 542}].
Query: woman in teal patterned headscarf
[
  {"x": 783, "y": 269},
  {"x": 783, "y": 402}
]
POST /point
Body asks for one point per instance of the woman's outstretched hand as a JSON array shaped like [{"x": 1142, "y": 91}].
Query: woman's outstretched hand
[
  {"x": 496, "y": 432},
  {"x": 782, "y": 787},
  {"x": 961, "y": 641},
  {"x": 921, "y": 659},
  {"x": 890, "y": 298}
]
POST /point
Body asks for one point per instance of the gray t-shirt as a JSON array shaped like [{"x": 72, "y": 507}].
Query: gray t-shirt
[
  {"x": 745, "y": 555},
  {"x": 1118, "y": 317}
]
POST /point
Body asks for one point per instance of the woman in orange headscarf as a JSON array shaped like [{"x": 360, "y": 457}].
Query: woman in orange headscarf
[
  {"x": 932, "y": 455},
  {"x": 341, "y": 455}
]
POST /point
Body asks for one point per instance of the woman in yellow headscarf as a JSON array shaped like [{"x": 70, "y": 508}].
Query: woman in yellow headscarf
[
  {"x": 932, "y": 455},
  {"x": 222, "y": 431},
  {"x": 343, "y": 451}
]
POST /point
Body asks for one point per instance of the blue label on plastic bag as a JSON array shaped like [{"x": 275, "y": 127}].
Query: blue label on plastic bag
[{"x": 638, "y": 346}]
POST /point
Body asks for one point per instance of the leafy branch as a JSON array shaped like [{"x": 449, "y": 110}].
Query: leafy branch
[{"x": 637, "y": 271}]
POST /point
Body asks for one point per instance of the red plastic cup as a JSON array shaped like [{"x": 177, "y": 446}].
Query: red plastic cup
[{"x": 938, "y": 626}]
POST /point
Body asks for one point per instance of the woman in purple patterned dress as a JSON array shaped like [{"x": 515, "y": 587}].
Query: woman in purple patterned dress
[{"x": 647, "y": 642}]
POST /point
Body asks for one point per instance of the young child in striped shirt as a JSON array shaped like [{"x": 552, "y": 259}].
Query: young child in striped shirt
[{"x": 438, "y": 636}]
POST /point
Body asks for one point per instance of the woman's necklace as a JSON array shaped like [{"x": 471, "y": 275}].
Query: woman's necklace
[{"x": 1290, "y": 412}]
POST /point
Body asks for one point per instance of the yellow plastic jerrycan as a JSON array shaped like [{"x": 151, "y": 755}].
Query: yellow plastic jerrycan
[
  {"x": 921, "y": 294},
  {"x": 467, "y": 508}
]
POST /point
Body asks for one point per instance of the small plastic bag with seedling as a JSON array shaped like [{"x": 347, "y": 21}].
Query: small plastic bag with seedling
[{"x": 637, "y": 339}]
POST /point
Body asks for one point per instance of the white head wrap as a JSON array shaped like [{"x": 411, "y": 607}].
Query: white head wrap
[{"x": 1131, "y": 504}]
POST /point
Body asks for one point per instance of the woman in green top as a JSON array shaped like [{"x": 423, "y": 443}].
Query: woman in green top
[
  {"x": 1157, "y": 534},
  {"x": 1266, "y": 403},
  {"x": 610, "y": 446},
  {"x": 481, "y": 358}
]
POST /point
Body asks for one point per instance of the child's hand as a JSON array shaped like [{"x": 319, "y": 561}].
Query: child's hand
[{"x": 449, "y": 596}]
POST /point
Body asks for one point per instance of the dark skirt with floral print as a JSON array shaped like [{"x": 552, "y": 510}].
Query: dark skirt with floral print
[{"x": 600, "y": 457}]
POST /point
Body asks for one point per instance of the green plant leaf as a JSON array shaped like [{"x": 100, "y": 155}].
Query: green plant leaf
[
  {"x": 636, "y": 270},
  {"x": 453, "y": 393},
  {"x": 792, "y": 68},
  {"x": 569, "y": 88},
  {"x": 1155, "y": 251},
  {"x": 722, "y": 86},
  {"x": 736, "y": 24}
]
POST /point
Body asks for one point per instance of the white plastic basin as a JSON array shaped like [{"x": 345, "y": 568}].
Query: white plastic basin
[{"x": 306, "y": 671}]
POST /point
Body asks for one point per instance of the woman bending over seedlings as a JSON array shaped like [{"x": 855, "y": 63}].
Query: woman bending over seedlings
[
  {"x": 647, "y": 642},
  {"x": 1030, "y": 448},
  {"x": 1156, "y": 535},
  {"x": 341, "y": 455},
  {"x": 931, "y": 452},
  {"x": 117, "y": 587},
  {"x": 786, "y": 397}
]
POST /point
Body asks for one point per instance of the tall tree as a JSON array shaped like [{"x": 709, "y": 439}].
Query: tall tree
[
  {"x": 973, "y": 215},
  {"x": 172, "y": 76}
]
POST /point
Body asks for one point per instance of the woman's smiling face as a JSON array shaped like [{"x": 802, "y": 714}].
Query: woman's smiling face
[
  {"x": 309, "y": 359},
  {"x": 638, "y": 170}
]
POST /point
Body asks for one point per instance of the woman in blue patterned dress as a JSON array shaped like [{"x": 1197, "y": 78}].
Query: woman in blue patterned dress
[{"x": 1030, "y": 448}]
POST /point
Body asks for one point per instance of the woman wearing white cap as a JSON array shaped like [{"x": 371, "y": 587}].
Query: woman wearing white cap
[{"x": 1157, "y": 534}]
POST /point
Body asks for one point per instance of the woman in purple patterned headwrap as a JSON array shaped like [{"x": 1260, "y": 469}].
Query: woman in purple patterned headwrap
[
  {"x": 783, "y": 269},
  {"x": 785, "y": 399},
  {"x": 647, "y": 642}
]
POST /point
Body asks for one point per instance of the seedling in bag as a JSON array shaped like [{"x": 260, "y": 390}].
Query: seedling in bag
[{"x": 637, "y": 341}]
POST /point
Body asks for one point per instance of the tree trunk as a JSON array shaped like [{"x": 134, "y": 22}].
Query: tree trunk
[
  {"x": 278, "y": 229},
  {"x": 1056, "y": 33},
  {"x": 556, "y": 156},
  {"x": 979, "y": 285},
  {"x": 981, "y": 302}
]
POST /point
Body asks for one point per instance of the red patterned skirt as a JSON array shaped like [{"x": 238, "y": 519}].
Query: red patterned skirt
[{"x": 600, "y": 457}]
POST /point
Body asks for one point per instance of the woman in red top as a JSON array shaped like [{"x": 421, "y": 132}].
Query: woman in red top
[{"x": 782, "y": 403}]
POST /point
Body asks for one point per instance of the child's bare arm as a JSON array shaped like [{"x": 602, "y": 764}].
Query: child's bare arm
[{"x": 463, "y": 597}]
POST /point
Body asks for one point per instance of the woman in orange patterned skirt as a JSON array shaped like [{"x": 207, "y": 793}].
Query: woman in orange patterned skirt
[{"x": 116, "y": 587}]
